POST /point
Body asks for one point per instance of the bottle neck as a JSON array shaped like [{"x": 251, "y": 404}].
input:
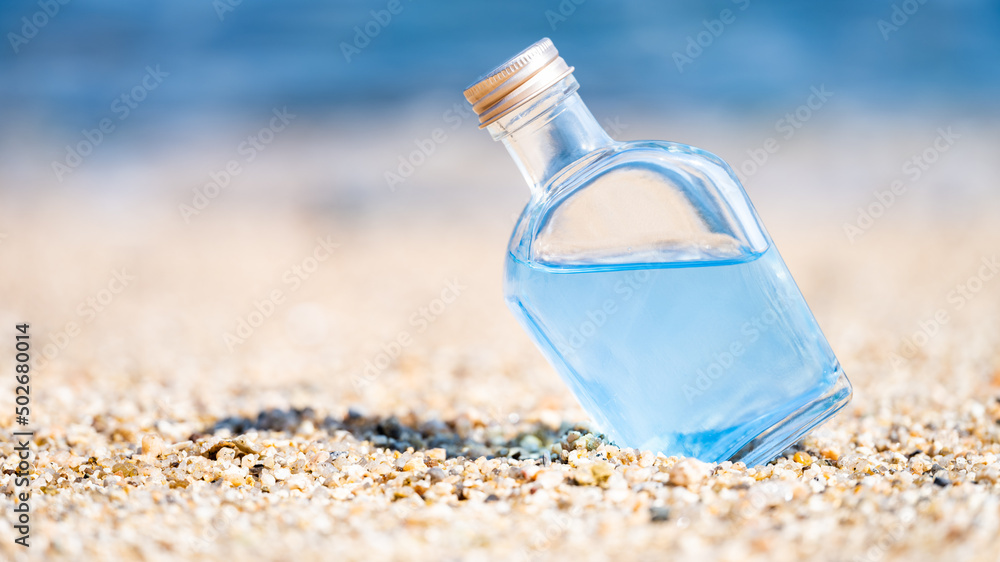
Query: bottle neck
[{"x": 550, "y": 133}]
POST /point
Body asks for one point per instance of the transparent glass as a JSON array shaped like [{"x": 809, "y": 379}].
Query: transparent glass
[{"x": 643, "y": 273}]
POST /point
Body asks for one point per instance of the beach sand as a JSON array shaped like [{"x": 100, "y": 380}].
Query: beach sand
[{"x": 360, "y": 416}]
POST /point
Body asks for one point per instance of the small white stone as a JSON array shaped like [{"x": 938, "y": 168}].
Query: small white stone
[
  {"x": 267, "y": 480},
  {"x": 689, "y": 472},
  {"x": 298, "y": 482},
  {"x": 152, "y": 445}
]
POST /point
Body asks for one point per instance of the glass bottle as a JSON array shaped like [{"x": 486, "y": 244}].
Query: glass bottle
[{"x": 642, "y": 272}]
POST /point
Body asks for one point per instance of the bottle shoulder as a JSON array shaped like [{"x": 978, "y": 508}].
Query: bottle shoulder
[{"x": 640, "y": 202}]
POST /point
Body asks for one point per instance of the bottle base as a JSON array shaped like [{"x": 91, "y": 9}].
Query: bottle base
[{"x": 773, "y": 441}]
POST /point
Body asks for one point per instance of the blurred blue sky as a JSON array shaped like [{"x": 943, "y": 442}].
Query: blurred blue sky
[{"x": 265, "y": 54}]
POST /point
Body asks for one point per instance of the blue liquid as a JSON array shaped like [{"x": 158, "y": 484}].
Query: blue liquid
[{"x": 716, "y": 360}]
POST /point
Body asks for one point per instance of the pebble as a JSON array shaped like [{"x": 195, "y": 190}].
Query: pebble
[
  {"x": 659, "y": 514},
  {"x": 531, "y": 443},
  {"x": 414, "y": 464},
  {"x": 689, "y": 473},
  {"x": 152, "y": 445},
  {"x": 802, "y": 458},
  {"x": 550, "y": 478},
  {"x": 436, "y": 474}
]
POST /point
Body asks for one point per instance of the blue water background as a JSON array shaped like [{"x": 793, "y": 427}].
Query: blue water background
[{"x": 265, "y": 54}]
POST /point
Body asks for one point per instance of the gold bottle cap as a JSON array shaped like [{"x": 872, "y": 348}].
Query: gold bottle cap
[{"x": 516, "y": 81}]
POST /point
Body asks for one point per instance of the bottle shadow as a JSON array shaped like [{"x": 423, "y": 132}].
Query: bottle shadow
[{"x": 459, "y": 437}]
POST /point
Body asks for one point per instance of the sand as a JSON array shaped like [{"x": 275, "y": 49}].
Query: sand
[{"x": 381, "y": 403}]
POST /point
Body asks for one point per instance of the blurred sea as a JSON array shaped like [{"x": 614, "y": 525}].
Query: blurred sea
[
  {"x": 290, "y": 53},
  {"x": 230, "y": 64}
]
